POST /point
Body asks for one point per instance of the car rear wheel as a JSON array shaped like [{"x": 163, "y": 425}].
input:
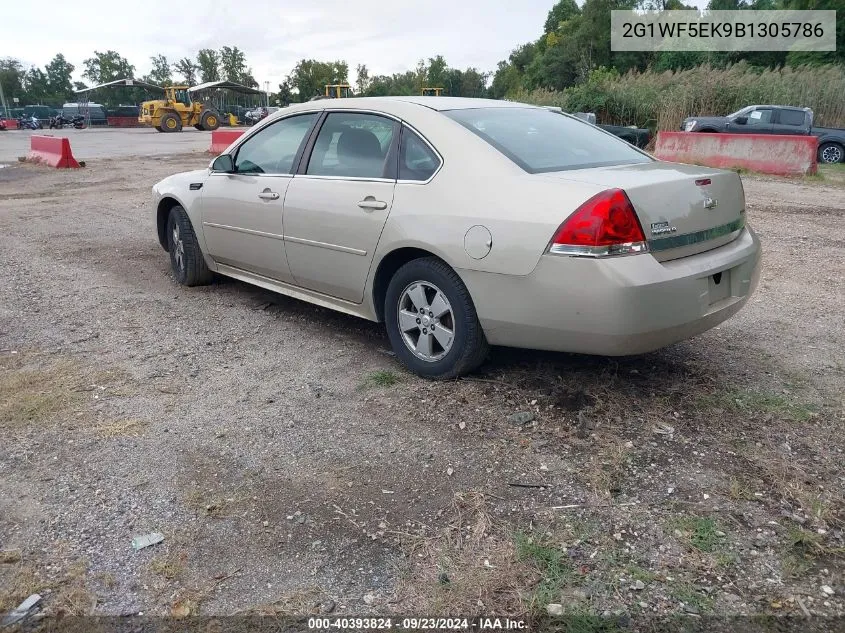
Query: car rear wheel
[
  {"x": 830, "y": 153},
  {"x": 171, "y": 123},
  {"x": 431, "y": 320},
  {"x": 186, "y": 259}
]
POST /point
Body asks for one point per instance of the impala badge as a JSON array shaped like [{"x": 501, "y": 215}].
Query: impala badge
[
  {"x": 710, "y": 203},
  {"x": 661, "y": 228}
]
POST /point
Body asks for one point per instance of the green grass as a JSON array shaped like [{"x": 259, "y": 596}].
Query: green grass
[
  {"x": 382, "y": 378},
  {"x": 635, "y": 572},
  {"x": 690, "y": 595},
  {"x": 750, "y": 403},
  {"x": 554, "y": 566},
  {"x": 702, "y": 533}
]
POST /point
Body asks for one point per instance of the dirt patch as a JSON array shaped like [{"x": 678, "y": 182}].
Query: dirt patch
[{"x": 296, "y": 468}]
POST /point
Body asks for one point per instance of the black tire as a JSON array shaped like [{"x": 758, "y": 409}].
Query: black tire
[
  {"x": 170, "y": 122},
  {"x": 210, "y": 120},
  {"x": 199, "y": 127},
  {"x": 189, "y": 269},
  {"x": 469, "y": 347},
  {"x": 831, "y": 153},
  {"x": 158, "y": 128}
]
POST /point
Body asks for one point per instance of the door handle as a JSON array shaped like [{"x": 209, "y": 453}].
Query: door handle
[
  {"x": 371, "y": 204},
  {"x": 268, "y": 195}
]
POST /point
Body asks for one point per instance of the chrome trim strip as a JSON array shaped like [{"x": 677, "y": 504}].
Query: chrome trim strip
[
  {"x": 238, "y": 229},
  {"x": 223, "y": 173},
  {"x": 570, "y": 250},
  {"x": 688, "y": 239},
  {"x": 350, "y": 178},
  {"x": 331, "y": 247}
]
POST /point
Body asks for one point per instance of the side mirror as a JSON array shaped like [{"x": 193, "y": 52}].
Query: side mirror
[
  {"x": 741, "y": 120},
  {"x": 223, "y": 164}
]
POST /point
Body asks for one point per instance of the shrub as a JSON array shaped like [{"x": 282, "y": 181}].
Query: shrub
[{"x": 661, "y": 100}]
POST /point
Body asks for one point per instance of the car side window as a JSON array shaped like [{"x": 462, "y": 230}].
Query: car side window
[
  {"x": 273, "y": 149},
  {"x": 353, "y": 145},
  {"x": 417, "y": 161},
  {"x": 792, "y": 117},
  {"x": 760, "y": 117}
]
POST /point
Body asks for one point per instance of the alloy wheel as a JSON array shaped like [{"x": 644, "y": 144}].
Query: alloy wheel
[
  {"x": 178, "y": 248},
  {"x": 426, "y": 321},
  {"x": 831, "y": 154}
]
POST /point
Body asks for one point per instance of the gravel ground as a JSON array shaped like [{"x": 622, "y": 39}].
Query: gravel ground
[{"x": 294, "y": 467}]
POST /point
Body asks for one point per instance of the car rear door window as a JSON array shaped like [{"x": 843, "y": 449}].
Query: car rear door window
[
  {"x": 540, "y": 140},
  {"x": 354, "y": 145},
  {"x": 273, "y": 149},
  {"x": 417, "y": 161},
  {"x": 792, "y": 117}
]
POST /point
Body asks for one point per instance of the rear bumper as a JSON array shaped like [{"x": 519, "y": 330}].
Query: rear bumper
[{"x": 616, "y": 306}]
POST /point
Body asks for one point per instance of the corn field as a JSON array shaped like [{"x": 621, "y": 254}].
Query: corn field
[{"x": 661, "y": 100}]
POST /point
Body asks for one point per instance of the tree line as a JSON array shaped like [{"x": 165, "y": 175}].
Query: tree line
[
  {"x": 53, "y": 85},
  {"x": 575, "y": 42}
]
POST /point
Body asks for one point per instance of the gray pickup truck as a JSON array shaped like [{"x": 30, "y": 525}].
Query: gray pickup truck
[{"x": 772, "y": 119}]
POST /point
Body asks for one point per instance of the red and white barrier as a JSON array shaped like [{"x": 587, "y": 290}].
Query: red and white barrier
[
  {"x": 221, "y": 139},
  {"x": 765, "y": 153},
  {"x": 51, "y": 150}
]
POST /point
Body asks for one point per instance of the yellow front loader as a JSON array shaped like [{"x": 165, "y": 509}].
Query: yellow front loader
[{"x": 176, "y": 111}]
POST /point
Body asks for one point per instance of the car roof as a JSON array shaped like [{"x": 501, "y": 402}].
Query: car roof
[{"x": 440, "y": 104}]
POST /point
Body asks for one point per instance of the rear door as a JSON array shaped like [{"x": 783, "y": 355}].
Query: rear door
[
  {"x": 336, "y": 206},
  {"x": 790, "y": 121}
]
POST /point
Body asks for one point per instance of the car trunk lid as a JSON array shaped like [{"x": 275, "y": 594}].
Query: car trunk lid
[{"x": 683, "y": 209}]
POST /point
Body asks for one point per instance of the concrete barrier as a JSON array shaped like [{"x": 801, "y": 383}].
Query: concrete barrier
[
  {"x": 51, "y": 150},
  {"x": 11, "y": 124},
  {"x": 765, "y": 153},
  {"x": 221, "y": 139}
]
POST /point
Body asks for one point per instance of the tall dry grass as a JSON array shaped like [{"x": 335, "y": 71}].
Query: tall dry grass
[{"x": 661, "y": 100}]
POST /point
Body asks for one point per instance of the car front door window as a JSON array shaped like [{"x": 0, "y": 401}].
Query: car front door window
[
  {"x": 758, "y": 118},
  {"x": 273, "y": 149}
]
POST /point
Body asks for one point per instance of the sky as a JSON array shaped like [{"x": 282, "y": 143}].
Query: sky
[{"x": 388, "y": 36}]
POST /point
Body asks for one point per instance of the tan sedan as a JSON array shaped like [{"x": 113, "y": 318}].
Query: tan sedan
[{"x": 461, "y": 223}]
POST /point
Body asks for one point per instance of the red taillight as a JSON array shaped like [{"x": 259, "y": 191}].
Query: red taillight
[{"x": 606, "y": 224}]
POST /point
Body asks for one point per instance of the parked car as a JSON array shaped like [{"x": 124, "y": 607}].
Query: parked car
[
  {"x": 254, "y": 116},
  {"x": 462, "y": 223},
  {"x": 95, "y": 113},
  {"x": 40, "y": 112},
  {"x": 639, "y": 137},
  {"x": 772, "y": 119}
]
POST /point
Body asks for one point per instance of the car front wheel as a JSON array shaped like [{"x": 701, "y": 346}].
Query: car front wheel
[
  {"x": 431, "y": 320},
  {"x": 186, "y": 259}
]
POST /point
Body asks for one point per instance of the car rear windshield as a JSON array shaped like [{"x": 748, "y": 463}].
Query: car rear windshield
[{"x": 541, "y": 140}]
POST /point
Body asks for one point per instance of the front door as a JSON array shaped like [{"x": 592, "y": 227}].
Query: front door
[
  {"x": 759, "y": 121},
  {"x": 242, "y": 211},
  {"x": 337, "y": 204}
]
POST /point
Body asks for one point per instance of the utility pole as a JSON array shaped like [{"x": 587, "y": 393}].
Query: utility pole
[
  {"x": 3, "y": 101},
  {"x": 267, "y": 92}
]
